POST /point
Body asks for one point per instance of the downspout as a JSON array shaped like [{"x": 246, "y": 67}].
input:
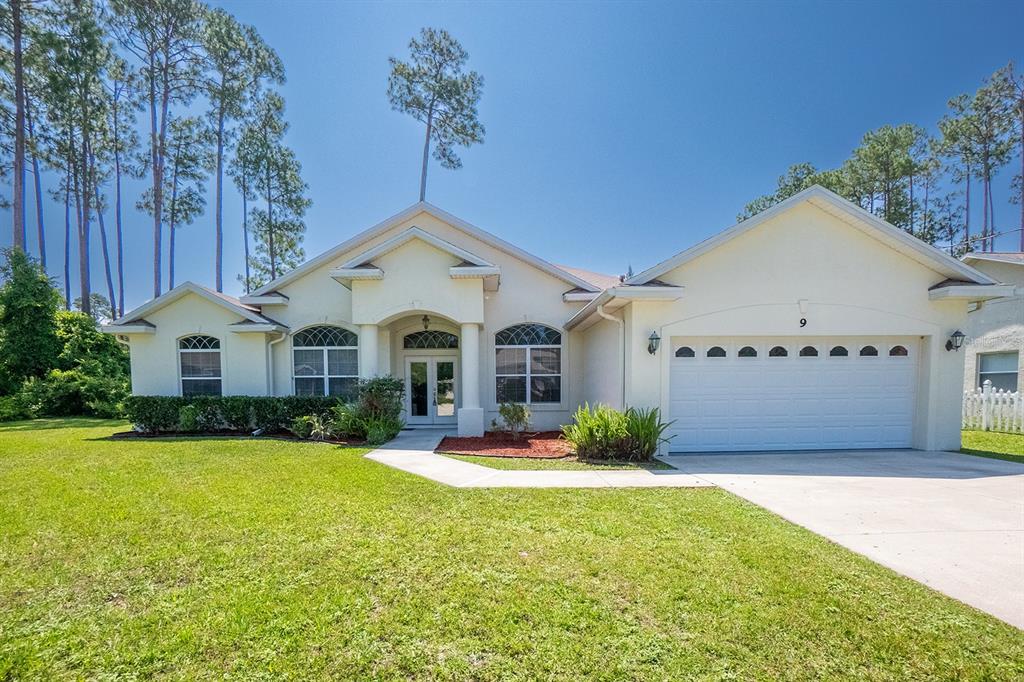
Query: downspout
[
  {"x": 270, "y": 362},
  {"x": 622, "y": 350}
]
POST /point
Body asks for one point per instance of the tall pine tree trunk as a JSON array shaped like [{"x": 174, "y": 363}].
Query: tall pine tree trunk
[
  {"x": 173, "y": 225},
  {"x": 40, "y": 232},
  {"x": 67, "y": 241},
  {"x": 18, "y": 208},
  {"x": 219, "y": 203},
  {"x": 270, "y": 228},
  {"x": 967, "y": 209},
  {"x": 154, "y": 156},
  {"x": 117, "y": 225},
  {"x": 103, "y": 244},
  {"x": 84, "y": 274},
  {"x": 426, "y": 155},
  {"x": 245, "y": 226}
]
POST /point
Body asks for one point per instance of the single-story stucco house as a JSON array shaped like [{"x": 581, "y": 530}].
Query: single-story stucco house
[
  {"x": 994, "y": 348},
  {"x": 812, "y": 325}
]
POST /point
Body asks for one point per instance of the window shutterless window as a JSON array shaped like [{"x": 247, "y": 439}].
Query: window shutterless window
[
  {"x": 325, "y": 361},
  {"x": 528, "y": 364},
  {"x": 199, "y": 363},
  {"x": 999, "y": 368}
]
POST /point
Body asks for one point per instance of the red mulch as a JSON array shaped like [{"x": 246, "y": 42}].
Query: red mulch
[{"x": 542, "y": 445}]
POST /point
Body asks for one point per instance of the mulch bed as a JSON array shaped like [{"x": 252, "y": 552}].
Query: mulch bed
[{"x": 540, "y": 445}]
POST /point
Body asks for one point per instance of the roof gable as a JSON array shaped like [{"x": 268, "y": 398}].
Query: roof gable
[
  {"x": 848, "y": 212},
  {"x": 366, "y": 257},
  {"x": 406, "y": 215},
  {"x": 247, "y": 312}
]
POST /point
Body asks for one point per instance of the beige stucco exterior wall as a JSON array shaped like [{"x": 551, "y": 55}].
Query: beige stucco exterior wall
[
  {"x": 154, "y": 357},
  {"x": 996, "y": 326},
  {"x": 852, "y": 285},
  {"x": 602, "y": 364},
  {"x": 416, "y": 282}
]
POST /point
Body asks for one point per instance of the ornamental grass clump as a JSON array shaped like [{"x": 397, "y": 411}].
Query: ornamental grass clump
[{"x": 604, "y": 433}]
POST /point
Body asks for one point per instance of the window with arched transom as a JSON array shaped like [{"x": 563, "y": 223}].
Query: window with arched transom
[
  {"x": 199, "y": 365},
  {"x": 325, "y": 362},
  {"x": 528, "y": 364}
]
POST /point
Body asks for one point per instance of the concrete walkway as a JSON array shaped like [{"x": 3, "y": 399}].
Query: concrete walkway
[
  {"x": 953, "y": 522},
  {"x": 413, "y": 451}
]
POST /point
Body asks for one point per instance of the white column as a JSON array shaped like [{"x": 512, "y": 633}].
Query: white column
[
  {"x": 471, "y": 414},
  {"x": 368, "y": 345}
]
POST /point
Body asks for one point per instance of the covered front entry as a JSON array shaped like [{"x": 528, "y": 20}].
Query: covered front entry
[
  {"x": 430, "y": 390},
  {"x": 777, "y": 393}
]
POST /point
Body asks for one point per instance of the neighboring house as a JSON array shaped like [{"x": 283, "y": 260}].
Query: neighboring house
[
  {"x": 812, "y": 325},
  {"x": 995, "y": 329}
]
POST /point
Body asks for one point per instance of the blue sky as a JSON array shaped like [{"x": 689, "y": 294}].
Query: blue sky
[{"x": 617, "y": 133}]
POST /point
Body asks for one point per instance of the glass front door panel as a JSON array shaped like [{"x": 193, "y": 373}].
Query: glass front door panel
[
  {"x": 445, "y": 394},
  {"x": 419, "y": 390}
]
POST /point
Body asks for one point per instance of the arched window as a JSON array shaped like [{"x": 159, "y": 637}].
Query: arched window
[
  {"x": 778, "y": 352},
  {"x": 685, "y": 352},
  {"x": 199, "y": 360},
  {"x": 716, "y": 352},
  {"x": 898, "y": 352},
  {"x": 528, "y": 364},
  {"x": 430, "y": 339},
  {"x": 325, "y": 361},
  {"x": 747, "y": 352},
  {"x": 808, "y": 352},
  {"x": 869, "y": 352},
  {"x": 838, "y": 352}
]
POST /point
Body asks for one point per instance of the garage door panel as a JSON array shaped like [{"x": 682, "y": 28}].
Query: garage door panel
[{"x": 734, "y": 403}]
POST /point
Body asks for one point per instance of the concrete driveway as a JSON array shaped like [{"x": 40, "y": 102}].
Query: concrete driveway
[{"x": 953, "y": 522}]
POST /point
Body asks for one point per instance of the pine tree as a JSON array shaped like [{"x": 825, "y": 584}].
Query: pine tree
[
  {"x": 433, "y": 89},
  {"x": 237, "y": 62},
  {"x": 275, "y": 176}
]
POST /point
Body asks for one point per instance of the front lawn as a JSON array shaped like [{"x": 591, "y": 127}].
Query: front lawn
[
  {"x": 263, "y": 559},
  {"x": 1008, "y": 446},
  {"x": 563, "y": 464}
]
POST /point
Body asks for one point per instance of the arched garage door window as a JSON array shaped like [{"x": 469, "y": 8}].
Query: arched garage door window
[
  {"x": 199, "y": 361},
  {"x": 528, "y": 364},
  {"x": 325, "y": 361}
]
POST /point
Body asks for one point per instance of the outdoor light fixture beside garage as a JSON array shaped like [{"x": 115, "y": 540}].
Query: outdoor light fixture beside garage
[
  {"x": 956, "y": 339},
  {"x": 653, "y": 342}
]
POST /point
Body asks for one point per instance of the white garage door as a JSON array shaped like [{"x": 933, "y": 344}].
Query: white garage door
[{"x": 791, "y": 394}]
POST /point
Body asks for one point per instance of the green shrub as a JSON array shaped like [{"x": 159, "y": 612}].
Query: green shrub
[
  {"x": 605, "y": 433},
  {"x": 379, "y": 430},
  {"x": 645, "y": 431},
  {"x": 375, "y": 416},
  {"x": 156, "y": 413},
  {"x": 66, "y": 393},
  {"x": 515, "y": 417}
]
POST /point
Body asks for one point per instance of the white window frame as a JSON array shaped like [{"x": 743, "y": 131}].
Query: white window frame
[
  {"x": 529, "y": 362},
  {"x": 326, "y": 376},
  {"x": 984, "y": 375},
  {"x": 220, "y": 365}
]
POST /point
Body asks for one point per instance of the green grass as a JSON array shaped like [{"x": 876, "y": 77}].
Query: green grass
[
  {"x": 258, "y": 559},
  {"x": 564, "y": 464},
  {"x": 1008, "y": 446}
]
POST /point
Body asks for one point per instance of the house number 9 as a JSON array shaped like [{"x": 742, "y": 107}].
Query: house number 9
[{"x": 803, "y": 321}]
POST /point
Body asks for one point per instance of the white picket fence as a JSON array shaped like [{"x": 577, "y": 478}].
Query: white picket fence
[{"x": 993, "y": 410}]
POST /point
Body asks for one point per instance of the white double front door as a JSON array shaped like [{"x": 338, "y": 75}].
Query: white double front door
[{"x": 430, "y": 389}]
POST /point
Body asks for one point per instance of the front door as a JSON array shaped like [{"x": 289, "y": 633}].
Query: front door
[{"x": 430, "y": 390}]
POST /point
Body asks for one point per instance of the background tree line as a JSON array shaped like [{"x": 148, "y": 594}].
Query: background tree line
[
  {"x": 98, "y": 91},
  {"x": 928, "y": 184}
]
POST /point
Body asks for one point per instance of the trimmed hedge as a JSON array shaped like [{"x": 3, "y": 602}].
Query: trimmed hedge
[{"x": 203, "y": 414}]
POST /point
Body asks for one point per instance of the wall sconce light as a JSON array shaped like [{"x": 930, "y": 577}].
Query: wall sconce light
[
  {"x": 956, "y": 339},
  {"x": 426, "y": 322},
  {"x": 653, "y": 343}
]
